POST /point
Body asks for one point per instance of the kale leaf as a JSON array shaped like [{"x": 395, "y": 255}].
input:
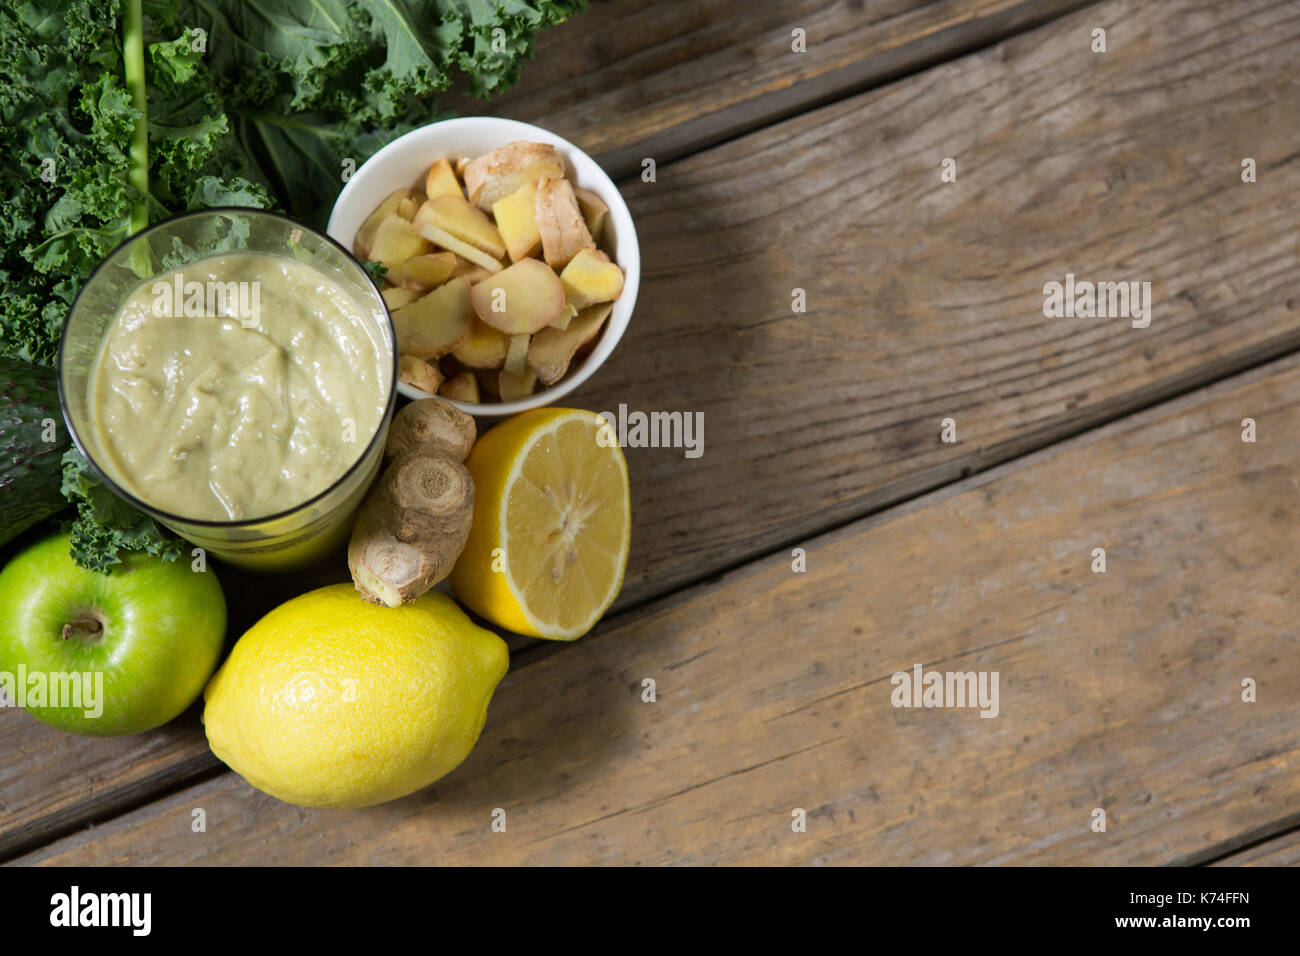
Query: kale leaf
[
  {"x": 105, "y": 525},
  {"x": 259, "y": 105}
]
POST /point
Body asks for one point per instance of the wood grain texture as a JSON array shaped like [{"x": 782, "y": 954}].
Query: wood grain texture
[
  {"x": 925, "y": 298},
  {"x": 640, "y": 78},
  {"x": 1118, "y": 690},
  {"x": 594, "y": 79},
  {"x": 51, "y": 782},
  {"x": 1280, "y": 851}
]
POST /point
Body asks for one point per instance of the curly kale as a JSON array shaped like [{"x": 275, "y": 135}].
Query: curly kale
[{"x": 117, "y": 113}]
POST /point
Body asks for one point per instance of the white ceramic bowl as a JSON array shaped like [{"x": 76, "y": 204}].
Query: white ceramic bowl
[{"x": 405, "y": 160}]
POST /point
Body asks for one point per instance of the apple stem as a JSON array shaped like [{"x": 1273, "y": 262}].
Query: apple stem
[{"x": 86, "y": 628}]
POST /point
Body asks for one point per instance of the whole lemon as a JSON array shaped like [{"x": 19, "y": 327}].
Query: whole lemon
[{"x": 329, "y": 701}]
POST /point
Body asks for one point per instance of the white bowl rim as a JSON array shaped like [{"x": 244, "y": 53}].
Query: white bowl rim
[{"x": 620, "y": 220}]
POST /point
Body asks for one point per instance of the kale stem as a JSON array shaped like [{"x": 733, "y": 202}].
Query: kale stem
[{"x": 133, "y": 57}]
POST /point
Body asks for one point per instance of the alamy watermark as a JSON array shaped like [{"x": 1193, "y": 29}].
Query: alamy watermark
[
  {"x": 637, "y": 429},
  {"x": 210, "y": 298},
  {"x": 73, "y": 690},
  {"x": 133, "y": 911},
  {"x": 921, "y": 688},
  {"x": 1098, "y": 300}
]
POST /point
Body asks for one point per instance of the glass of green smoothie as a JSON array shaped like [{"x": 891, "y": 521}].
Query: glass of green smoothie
[{"x": 232, "y": 372}]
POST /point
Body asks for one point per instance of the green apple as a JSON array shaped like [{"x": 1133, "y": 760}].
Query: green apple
[{"x": 106, "y": 654}]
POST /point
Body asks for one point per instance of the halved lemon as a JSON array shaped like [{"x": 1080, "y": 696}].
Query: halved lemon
[{"x": 552, "y": 522}]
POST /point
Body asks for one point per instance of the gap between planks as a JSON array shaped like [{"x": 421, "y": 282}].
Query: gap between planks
[
  {"x": 525, "y": 651},
  {"x": 907, "y": 41},
  {"x": 1135, "y": 447},
  {"x": 984, "y": 458},
  {"x": 703, "y": 133},
  {"x": 693, "y": 95}
]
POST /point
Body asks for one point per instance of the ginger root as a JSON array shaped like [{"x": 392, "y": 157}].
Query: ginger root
[
  {"x": 412, "y": 527},
  {"x": 560, "y": 224},
  {"x": 430, "y": 422},
  {"x": 414, "y": 523}
]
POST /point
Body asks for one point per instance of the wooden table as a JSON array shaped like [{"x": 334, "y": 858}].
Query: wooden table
[{"x": 776, "y": 171}]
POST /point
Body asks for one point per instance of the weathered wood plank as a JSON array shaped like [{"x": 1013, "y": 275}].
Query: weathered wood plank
[
  {"x": 642, "y": 78},
  {"x": 925, "y": 298},
  {"x": 1280, "y": 851},
  {"x": 1119, "y": 690},
  {"x": 619, "y": 76},
  {"x": 51, "y": 782}
]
